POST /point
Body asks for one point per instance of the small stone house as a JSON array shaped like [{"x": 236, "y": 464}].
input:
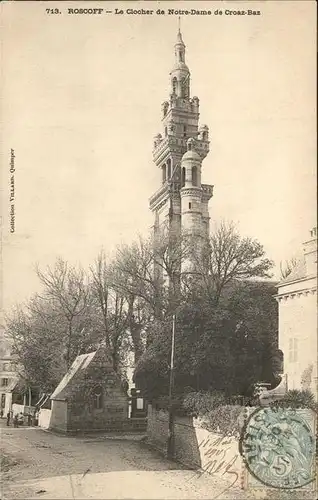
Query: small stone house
[{"x": 91, "y": 396}]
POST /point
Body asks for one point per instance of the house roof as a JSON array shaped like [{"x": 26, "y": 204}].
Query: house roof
[{"x": 80, "y": 363}]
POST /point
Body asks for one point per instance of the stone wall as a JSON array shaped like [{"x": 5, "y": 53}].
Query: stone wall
[
  {"x": 195, "y": 447},
  {"x": 59, "y": 416},
  {"x": 83, "y": 416},
  {"x": 157, "y": 428}
]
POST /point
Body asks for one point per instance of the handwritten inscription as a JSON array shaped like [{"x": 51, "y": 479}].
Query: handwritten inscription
[{"x": 217, "y": 457}]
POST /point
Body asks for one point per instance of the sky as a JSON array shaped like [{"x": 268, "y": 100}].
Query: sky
[{"x": 81, "y": 105}]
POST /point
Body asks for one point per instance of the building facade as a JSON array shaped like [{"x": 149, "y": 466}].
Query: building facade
[
  {"x": 180, "y": 205},
  {"x": 8, "y": 376},
  {"x": 91, "y": 396},
  {"x": 298, "y": 336}
]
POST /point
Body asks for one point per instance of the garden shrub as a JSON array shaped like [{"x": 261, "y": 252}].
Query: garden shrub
[
  {"x": 224, "y": 419},
  {"x": 198, "y": 404},
  {"x": 296, "y": 398},
  {"x": 214, "y": 412}
]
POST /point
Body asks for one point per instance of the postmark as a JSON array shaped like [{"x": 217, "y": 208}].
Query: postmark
[{"x": 278, "y": 447}]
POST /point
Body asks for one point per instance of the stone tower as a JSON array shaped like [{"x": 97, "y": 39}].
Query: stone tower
[{"x": 181, "y": 202}]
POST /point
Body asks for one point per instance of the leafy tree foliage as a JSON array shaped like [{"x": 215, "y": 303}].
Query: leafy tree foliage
[
  {"x": 226, "y": 320},
  {"x": 227, "y": 348},
  {"x": 226, "y": 335}
]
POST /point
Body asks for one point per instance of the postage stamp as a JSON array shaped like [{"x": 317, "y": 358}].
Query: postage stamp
[{"x": 278, "y": 447}]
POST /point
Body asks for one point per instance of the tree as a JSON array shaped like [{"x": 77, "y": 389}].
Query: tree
[
  {"x": 67, "y": 289},
  {"x": 50, "y": 330},
  {"x": 227, "y": 348},
  {"x": 110, "y": 314},
  {"x": 36, "y": 342},
  {"x": 226, "y": 321},
  {"x": 227, "y": 256}
]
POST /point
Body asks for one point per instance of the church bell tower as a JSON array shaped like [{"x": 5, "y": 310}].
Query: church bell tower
[{"x": 181, "y": 202}]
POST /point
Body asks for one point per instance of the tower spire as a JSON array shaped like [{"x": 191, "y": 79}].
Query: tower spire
[
  {"x": 179, "y": 35},
  {"x": 180, "y": 74}
]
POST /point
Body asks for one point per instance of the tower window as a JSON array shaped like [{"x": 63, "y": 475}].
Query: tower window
[
  {"x": 164, "y": 173},
  {"x": 169, "y": 168},
  {"x": 174, "y": 85},
  {"x": 183, "y": 177},
  {"x": 166, "y": 131},
  {"x": 190, "y": 205},
  {"x": 194, "y": 176}
]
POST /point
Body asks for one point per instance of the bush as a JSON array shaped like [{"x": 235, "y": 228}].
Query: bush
[
  {"x": 198, "y": 404},
  {"x": 164, "y": 403},
  {"x": 214, "y": 412},
  {"x": 224, "y": 419},
  {"x": 297, "y": 399}
]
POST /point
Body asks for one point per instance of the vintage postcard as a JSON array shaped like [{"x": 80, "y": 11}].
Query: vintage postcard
[{"x": 158, "y": 312}]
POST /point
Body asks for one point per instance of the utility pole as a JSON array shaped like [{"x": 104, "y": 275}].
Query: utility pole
[{"x": 170, "y": 448}]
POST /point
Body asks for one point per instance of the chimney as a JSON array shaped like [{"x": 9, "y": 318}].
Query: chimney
[{"x": 310, "y": 253}]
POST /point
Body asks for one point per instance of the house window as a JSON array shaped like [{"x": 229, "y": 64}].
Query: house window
[
  {"x": 98, "y": 398},
  {"x": 4, "y": 382},
  {"x": 293, "y": 350},
  {"x": 184, "y": 131}
]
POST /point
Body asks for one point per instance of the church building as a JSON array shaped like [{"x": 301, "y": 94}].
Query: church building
[{"x": 180, "y": 205}]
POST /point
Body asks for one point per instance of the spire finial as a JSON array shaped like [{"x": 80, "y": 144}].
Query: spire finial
[{"x": 179, "y": 36}]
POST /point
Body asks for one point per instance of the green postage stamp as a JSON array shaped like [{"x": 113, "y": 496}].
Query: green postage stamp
[{"x": 278, "y": 446}]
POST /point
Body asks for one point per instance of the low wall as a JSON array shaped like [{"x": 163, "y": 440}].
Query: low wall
[
  {"x": 25, "y": 409},
  {"x": 157, "y": 428},
  {"x": 130, "y": 425},
  {"x": 44, "y": 418},
  {"x": 195, "y": 447}
]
